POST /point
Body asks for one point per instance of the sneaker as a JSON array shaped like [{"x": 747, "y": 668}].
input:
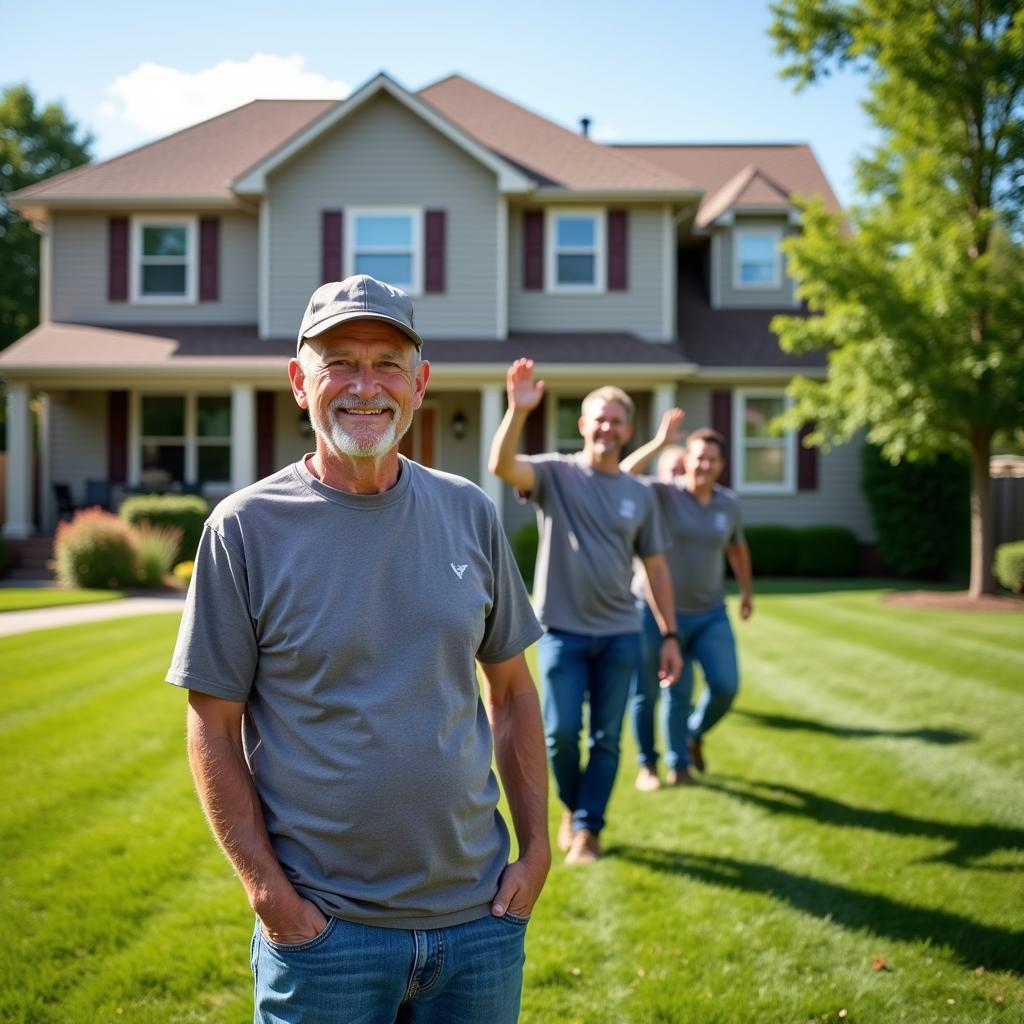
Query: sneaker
[
  {"x": 647, "y": 780},
  {"x": 696, "y": 755},
  {"x": 680, "y": 778},
  {"x": 585, "y": 848},
  {"x": 565, "y": 832}
]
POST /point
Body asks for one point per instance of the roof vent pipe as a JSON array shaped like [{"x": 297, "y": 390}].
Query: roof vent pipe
[{"x": 585, "y": 127}]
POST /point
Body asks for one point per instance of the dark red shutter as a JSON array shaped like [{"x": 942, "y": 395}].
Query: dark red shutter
[
  {"x": 806, "y": 462},
  {"x": 534, "y": 431},
  {"x": 330, "y": 246},
  {"x": 618, "y": 251},
  {"x": 721, "y": 420},
  {"x": 209, "y": 259},
  {"x": 434, "y": 242},
  {"x": 117, "y": 437},
  {"x": 117, "y": 259},
  {"x": 533, "y": 250},
  {"x": 265, "y": 433}
]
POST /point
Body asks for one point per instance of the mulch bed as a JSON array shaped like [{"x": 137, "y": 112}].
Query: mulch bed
[{"x": 955, "y": 601}]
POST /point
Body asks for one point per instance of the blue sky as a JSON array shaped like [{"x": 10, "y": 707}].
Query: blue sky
[{"x": 643, "y": 70}]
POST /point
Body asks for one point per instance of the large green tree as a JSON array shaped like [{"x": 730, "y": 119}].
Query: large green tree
[
  {"x": 34, "y": 144},
  {"x": 920, "y": 289}
]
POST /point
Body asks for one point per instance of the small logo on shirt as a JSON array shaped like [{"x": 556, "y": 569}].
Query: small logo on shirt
[
  {"x": 721, "y": 521},
  {"x": 627, "y": 508},
  {"x": 459, "y": 570}
]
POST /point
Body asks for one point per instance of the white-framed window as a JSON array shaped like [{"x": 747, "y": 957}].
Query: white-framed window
[
  {"x": 562, "y": 416},
  {"x": 164, "y": 259},
  {"x": 184, "y": 439},
  {"x": 575, "y": 260},
  {"x": 763, "y": 462},
  {"x": 387, "y": 243},
  {"x": 757, "y": 259}
]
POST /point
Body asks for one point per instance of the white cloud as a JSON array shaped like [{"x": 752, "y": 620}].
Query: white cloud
[{"x": 155, "y": 99}]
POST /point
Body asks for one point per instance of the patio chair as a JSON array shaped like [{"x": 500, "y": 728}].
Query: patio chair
[{"x": 65, "y": 503}]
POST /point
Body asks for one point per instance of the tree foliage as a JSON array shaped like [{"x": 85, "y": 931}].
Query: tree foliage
[
  {"x": 920, "y": 291},
  {"x": 34, "y": 144}
]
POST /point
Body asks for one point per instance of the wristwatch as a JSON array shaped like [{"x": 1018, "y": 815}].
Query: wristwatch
[{"x": 670, "y": 636}]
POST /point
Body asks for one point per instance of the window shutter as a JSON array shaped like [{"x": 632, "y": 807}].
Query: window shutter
[
  {"x": 806, "y": 461},
  {"x": 209, "y": 259},
  {"x": 721, "y": 420},
  {"x": 330, "y": 246},
  {"x": 434, "y": 242},
  {"x": 618, "y": 251},
  {"x": 534, "y": 430},
  {"x": 265, "y": 432},
  {"x": 117, "y": 437},
  {"x": 533, "y": 250},
  {"x": 117, "y": 259}
]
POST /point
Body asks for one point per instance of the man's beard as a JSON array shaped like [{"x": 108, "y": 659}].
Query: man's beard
[{"x": 346, "y": 444}]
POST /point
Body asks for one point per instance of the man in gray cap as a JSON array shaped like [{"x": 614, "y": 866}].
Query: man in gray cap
[{"x": 337, "y": 736}]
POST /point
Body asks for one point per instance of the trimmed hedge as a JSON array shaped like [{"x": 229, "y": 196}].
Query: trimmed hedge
[
  {"x": 921, "y": 513},
  {"x": 1009, "y": 566},
  {"x": 773, "y": 549},
  {"x": 186, "y": 512},
  {"x": 827, "y": 551},
  {"x": 525, "y": 542}
]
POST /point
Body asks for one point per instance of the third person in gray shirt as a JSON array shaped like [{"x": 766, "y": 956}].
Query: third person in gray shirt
[{"x": 703, "y": 521}]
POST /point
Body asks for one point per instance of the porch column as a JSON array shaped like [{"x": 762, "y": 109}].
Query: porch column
[
  {"x": 243, "y": 435},
  {"x": 491, "y": 412},
  {"x": 18, "y": 517},
  {"x": 663, "y": 398}
]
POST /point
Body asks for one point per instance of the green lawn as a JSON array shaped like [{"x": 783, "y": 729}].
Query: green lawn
[
  {"x": 864, "y": 801},
  {"x": 20, "y": 598}
]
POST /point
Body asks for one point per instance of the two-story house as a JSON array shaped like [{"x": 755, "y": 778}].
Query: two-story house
[{"x": 174, "y": 278}]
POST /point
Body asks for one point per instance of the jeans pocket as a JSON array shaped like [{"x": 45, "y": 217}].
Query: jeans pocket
[
  {"x": 300, "y": 947},
  {"x": 516, "y": 919}
]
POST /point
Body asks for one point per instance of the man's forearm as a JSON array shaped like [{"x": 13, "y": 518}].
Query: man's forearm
[
  {"x": 739, "y": 560},
  {"x": 660, "y": 597},
  {"x": 636, "y": 462},
  {"x": 522, "y": 765},
  {"x": 233, "y": 811},
  {"x": 505, "y": 446}
]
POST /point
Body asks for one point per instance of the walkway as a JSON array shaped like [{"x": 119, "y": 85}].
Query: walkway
[{"x": 72, "y": 614}]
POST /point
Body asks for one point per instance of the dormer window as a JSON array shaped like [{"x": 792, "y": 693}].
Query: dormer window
[
  {"x": 576, "y": 251},
  {"x": 164, "y": 263},
  {"x": 757, "y": 260}
]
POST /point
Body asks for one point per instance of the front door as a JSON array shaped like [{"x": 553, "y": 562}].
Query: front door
[{"x": 419, "y": 441}]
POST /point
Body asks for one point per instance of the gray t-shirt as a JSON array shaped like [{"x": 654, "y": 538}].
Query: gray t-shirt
[
  {"x": 591, "y": 524},
  {"x": 699, "y": 535},
  {"x": 349, "y": 625}
]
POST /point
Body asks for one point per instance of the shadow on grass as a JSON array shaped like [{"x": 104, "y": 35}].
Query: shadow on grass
[
  {"x": 974, "y": 944},
  {"x": 942, "y": 737},
  {"x": 967, "y": 843}
]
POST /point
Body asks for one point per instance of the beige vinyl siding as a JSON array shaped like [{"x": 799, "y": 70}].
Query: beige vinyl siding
[
  {"x": 638, "y": 310},
  {"x": 78, "y": 246},
  {"x": 385, "y": 156},
  {"x": 724, "y": 289},
  {"x": 78, "y": 439}
]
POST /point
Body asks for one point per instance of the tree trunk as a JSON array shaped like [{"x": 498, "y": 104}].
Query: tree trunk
[{"x": 982, "y": 579}]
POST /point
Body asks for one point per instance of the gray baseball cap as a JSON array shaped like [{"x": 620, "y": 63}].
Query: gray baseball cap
[{"x": 359, "y": 297}]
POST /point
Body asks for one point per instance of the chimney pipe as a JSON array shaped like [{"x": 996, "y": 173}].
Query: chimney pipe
[{"x": 585, "y": 127}]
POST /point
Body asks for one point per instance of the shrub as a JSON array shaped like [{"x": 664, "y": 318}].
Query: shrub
[
  {"x": 921, "y": 513},
  {"x": 187, "y": 512},
  {"x": 1009, "y": 566},
  {"x": 827, "y": 551},
  {"x": 156, "y": 547},
  {"x": 96, "y": 549},
  {"x": 183, "y": 572},
  {"x": 773, "y": 549},
  {"x": 525, "y": 542}
]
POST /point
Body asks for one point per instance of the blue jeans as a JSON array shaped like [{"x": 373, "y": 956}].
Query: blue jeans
[
  {"x": 574, "y": 667},
  {"x": 360, "y": 974},
  {"x": 705, "y": 637}
]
